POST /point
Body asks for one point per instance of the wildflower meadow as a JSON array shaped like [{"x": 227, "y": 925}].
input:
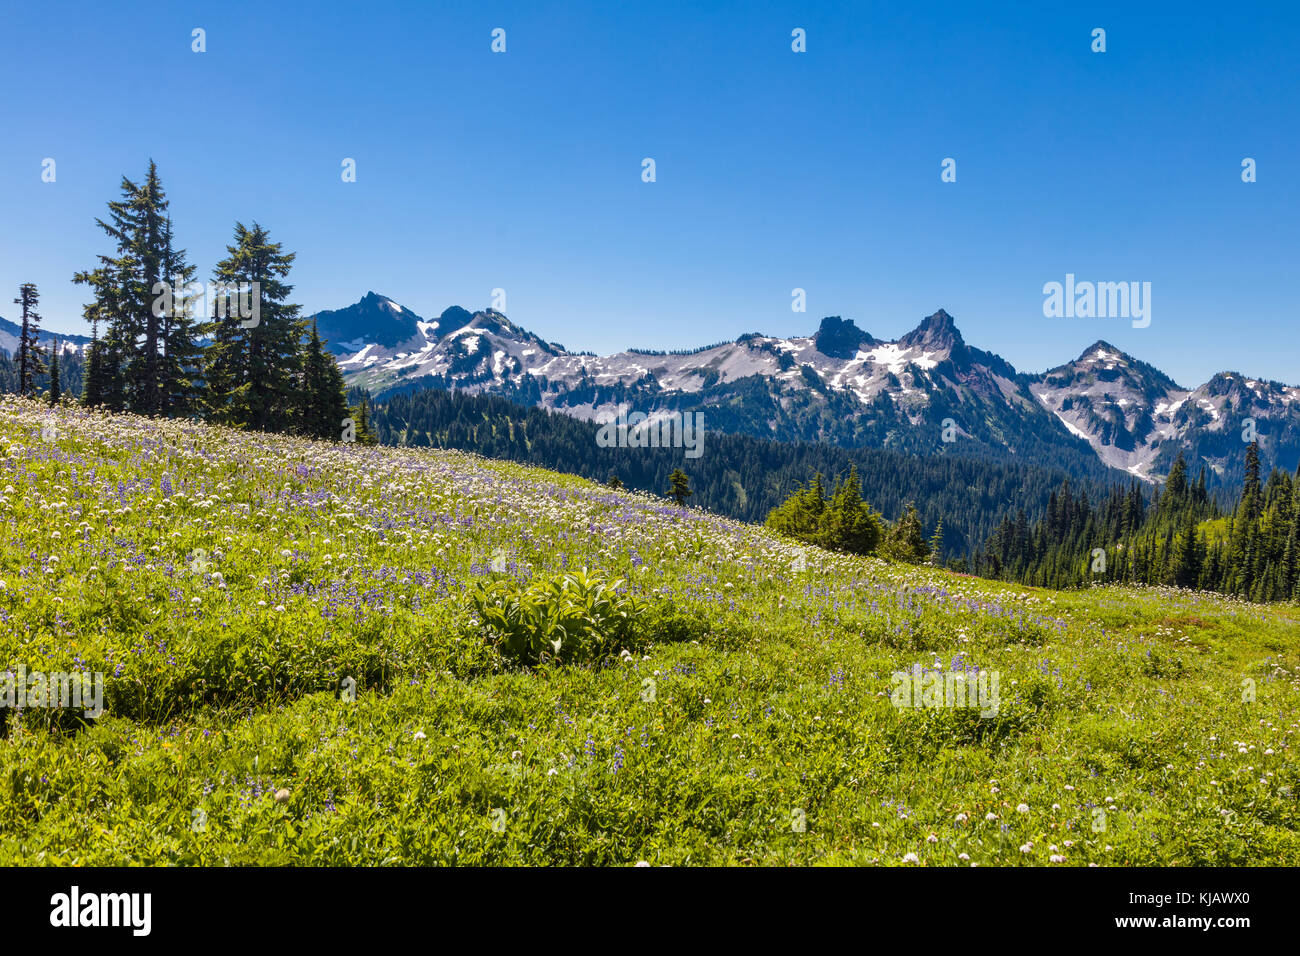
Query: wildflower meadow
[{"x": 324, "y": 653}]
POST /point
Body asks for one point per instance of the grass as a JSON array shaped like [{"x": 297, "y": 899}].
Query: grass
[{"x": 232, "y": 586}]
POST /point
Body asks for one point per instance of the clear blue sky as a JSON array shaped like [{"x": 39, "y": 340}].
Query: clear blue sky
[{"x": 819, "y": 170}]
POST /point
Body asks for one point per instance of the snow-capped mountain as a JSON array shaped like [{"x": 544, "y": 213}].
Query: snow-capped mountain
[
  {"x": 381, "y": 344},
  {"x": 926, "y": 392},
  {"x": 1138, "y": 419},
  {"x": 10, "y": 331}
]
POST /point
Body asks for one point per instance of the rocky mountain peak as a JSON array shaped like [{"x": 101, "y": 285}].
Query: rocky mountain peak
[
  {"x": 936, "y": 333},
  {"x": 840, "y": 338}
]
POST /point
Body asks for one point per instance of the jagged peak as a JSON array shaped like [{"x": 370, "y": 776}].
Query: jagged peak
[
  {"x": 1132, "y": 367},
  {"x": 840, "y": 338},
  {"x": 937, "y": 331},
  {"x": 491, "y": 320},
  {"x": 1101, "y": 345}
]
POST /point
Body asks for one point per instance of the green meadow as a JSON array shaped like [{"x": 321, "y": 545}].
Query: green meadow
[{"x": 316, "y": 653}]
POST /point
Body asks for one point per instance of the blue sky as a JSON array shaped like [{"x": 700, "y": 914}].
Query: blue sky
[{"x": 775, "y": 170}]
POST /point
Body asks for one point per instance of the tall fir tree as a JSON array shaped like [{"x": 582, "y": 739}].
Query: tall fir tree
[
  {"x": 105, "y": 382},
  {"x": 1176, "y": 484},
  {"x": 180, "y": 367},
  {"x": 324, "y": 403},
  {"x": 55, "y": 386},
  {"x": 681, "y": 487},
  {"x": 801, "y": 516},
  {"x": 151, "y": 241},
  {"x": 359, "y": 416},
  {"x": 1242, "y": 547},
  {"x": 936, "y": 544},
  {"x": 906, "y": 540},
  {"x": 129, "y": 363},
  {"x": 1187, "y": 557},
  {"x": 850, "y": 524},
  {"x": 94, "y": 384},
  {"x": 253, "y": 362},
  {"x": 29, "y": 352}
]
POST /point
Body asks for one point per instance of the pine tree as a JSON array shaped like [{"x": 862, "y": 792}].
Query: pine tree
[
  {"x": 936, "y": 544},
  {"x": 1242, "y": 548},
  {"x": 54, "y": 373},
  {"x": 1211, "y": 573},
  {"x": 846, "y": 523},
  {"x": 1187, "y": 556},
  {"x": 180, "y": 367},
  {"x": 849, "y": 524},
  {"x": 614, "y": 482},
  {"x": 906, "y": 541},
  {"x": 126, "y": 289},
  {"x": 252, "y": 364},
  {"x": 1250, "y": 483},
  {"x": 94, "y": 385},
  {"x": 681, "y": 489},
  {"x": 800, "y": 516},
  {"x": 29, "y": 353},
  {"x": 1176, "y": 483},
  {"x": 1291, "y": 552},
  {"x": 360, "y": 417},
  {"x": 112, "y": 285},
  {"x": 324, "y": 403},
  {"x": 151, "y": 245}
]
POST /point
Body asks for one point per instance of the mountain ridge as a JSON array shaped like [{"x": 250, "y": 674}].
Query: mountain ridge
[
  {"x": 10, "y": 332},
  {"x": 925, "y": 392}
]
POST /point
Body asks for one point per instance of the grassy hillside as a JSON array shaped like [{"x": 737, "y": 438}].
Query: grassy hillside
[
  {"x": 228, "y": 584},
  {"x": 742, "y": 476}
]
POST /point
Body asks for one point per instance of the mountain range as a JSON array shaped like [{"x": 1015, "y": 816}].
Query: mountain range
[
  {"x": 10, "y": 331},
  {"x": 926, "y": 392}
]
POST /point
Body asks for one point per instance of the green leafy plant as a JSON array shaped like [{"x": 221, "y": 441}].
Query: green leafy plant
[{"x": 575, "y": 616}]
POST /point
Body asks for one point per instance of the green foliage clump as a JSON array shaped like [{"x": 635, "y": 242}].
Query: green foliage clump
[
  {"x": 681, "y": 487},
  {"x": 844, "y": 523},
  {"x": 906, "y": 541},
  {"x": 573, "y": 617}
]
